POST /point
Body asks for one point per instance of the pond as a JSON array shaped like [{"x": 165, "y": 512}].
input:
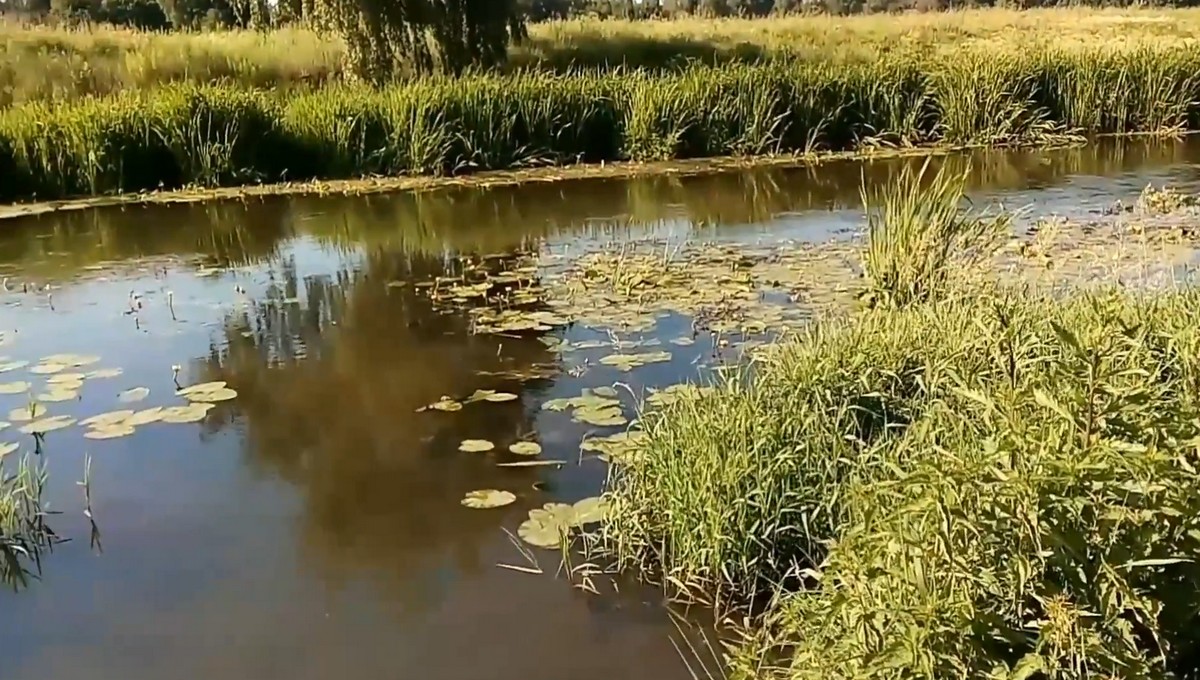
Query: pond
[{"x": 312, "y": 526}]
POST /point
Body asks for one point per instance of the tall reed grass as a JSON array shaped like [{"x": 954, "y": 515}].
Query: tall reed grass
[
  {"x": 23, "y": 532},
  {"x": 1000, "y": 486},
  {"x": 182, "y": 135}
]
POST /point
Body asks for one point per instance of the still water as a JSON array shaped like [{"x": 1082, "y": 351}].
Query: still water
[{"x": 311, "y": 528}]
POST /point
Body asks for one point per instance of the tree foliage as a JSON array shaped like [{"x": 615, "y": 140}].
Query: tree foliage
[{"x": 389, "y": 37}]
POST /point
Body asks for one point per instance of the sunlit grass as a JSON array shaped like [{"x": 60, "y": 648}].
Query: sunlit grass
[
  {"x": 228, "y": 135},
  {"x": 23, "y": 533},
  {"x": 40, "y": 62}
]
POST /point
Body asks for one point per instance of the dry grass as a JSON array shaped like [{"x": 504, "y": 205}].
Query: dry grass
[{"x": 39, "y": 63}]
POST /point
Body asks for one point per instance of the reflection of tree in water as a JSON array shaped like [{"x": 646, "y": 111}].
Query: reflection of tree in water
[{"x": 329, "y": 388}]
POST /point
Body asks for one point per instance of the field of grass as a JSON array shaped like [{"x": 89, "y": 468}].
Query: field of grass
[
  {"x": 977, "y": 481},
  {"x": 170, "y": 137},
  {"x": 40, "y": 63}
]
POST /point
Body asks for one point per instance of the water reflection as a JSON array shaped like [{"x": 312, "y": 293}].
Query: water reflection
[
  {"x": 330, "y": 385},
  {"x": 313, "y": 526}
]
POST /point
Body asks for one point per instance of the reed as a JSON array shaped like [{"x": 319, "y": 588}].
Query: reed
[
  {"x": 222, "y": 135},
  {"x": 995, "y": 485}
]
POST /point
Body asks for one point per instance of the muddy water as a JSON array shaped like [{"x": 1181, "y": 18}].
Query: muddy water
[{"x": 311, "y": 528}]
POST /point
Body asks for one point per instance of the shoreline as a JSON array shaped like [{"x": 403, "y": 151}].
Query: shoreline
[{"x": 495, "y": 178}]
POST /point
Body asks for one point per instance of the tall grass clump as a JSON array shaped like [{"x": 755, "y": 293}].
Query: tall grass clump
[
  {"x": 222, "y": 135},
  {"x": 23, "y": 532},
  {"x": 919, "y": 236},
  {"x": 991, "y": 486}
]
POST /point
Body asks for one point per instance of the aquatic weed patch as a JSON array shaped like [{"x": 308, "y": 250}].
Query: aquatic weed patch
[{"x": 978, "y": 486}]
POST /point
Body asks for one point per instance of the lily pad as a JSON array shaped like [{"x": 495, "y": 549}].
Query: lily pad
[
  {"x": 27, "y": 413},
  {"x": 66, "y": 378},
  {"x": 445, "y": 404},
  {"x": 106, "y": 419},
  {"x": 488, "y": 498},
  {"x": 111, "y": 431},
  {"x": 501, "y": 396},
  {"x": 192, "y": 413},
  {"x": 478, "y": 395},
  {"x": 132, "y": 395},
  {"x": 145, "y": 417},
  {"x": 603, "y": 417},
  {"x": 105, "y": 373},
  {"x": 541, "y": 534},
  {"x": 220, "y": 394},
  {"x": 532, "y": 463},
  {"x": 589, "y": 511},
  {"x": 605, "y": 391},
  {"x": 8, "y": 448},
  {"x": 525, "y": 448},
  {"x": 44, "y": 368},
  {"x": 14, "y": 387},
  {"x": 476, "y": 445},
  {"x": 683, "y": 342},
  {"x": 50, "y": 424},
  {"x": 58, "y": 395},
  {"x": 12, "y": 366},
  {"x": 202, "y": 387}
]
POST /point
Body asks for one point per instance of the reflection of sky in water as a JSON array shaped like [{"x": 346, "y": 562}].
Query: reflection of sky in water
[{"x": 257, "y": 546}]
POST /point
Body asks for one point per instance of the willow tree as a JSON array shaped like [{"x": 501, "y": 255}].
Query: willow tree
[{"x": 385, "y": 38}]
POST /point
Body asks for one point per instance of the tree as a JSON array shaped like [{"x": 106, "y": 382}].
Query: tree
[{"x": 385, "y": 38}]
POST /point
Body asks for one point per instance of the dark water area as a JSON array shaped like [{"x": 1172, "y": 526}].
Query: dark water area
[{"x": 311, "y": 528}]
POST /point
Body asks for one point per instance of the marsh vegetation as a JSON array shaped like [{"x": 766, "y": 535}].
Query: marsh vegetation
[{"x": 987, "y": 79}]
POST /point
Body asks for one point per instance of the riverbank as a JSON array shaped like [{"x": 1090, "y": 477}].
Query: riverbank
[
  {"x": 1012, "y": 496},
  {"x": 57, "y": 63},
  {"x": 216, "y": 136}
]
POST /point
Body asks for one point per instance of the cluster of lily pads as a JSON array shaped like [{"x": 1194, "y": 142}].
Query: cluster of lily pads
[{"x": 65, "y": 380}]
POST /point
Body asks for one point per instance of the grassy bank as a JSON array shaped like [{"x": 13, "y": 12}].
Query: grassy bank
[
  {"x": 962, "y": 480},
  {"x": 223, "y": 136},
  {"x": 55, "y": 63}
]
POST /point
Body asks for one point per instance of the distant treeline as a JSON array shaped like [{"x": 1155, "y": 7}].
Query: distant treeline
[{"x": 192, "y": 14}]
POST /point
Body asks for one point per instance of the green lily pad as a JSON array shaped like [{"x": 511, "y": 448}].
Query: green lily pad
[
  {"x": 589, "y": 511},
  {"x": 501, "y": 396},
  {"x": 602, "y": 417},
  {"x": 44, "y": 368},
  {"x": 547, "y": 526},
  {"x": 192, "y": 413},
  {"x": 104, "y": 419},
  {"x": 50, "y": 424},
  {"x": 105, "y": 373},
  {"x": 14, "y": 387},
  {"x": 69, "y": 360},
  {"x": 27, "y": 413},
  {"x": 66, "y": 378},
  {"x": 605, "y": 391},
  {"x": 445, "y": 404},
  {"x": 488, "y": 498},
  {"x": 8, "y": 448},
  {"x": 683, "y": 342},
  {"x": 478, "y": 395},
  {"x": 214, "y": 395},
  {"x": 201, "y": 387},
  {"x": 145, "y": 417},
  {"x": 525, "y": 448},
  {"x": 476, "y": 446},
  {"x": 132, "y": 395},
  {"x": 58, "y": 395},
  {"x": 110, "y": 431},
  {"x": 12, "y": 366}
]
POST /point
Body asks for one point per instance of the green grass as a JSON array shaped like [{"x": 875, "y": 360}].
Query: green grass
[
  {"x": 225, "y": 135},
  {"x": 23, "y": 533},
  {"x": 967, "y": 481},
  {"x": 946, "y": 490}
]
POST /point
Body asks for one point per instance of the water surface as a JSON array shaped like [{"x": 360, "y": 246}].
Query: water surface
[{"x": 311, "y": 528}]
